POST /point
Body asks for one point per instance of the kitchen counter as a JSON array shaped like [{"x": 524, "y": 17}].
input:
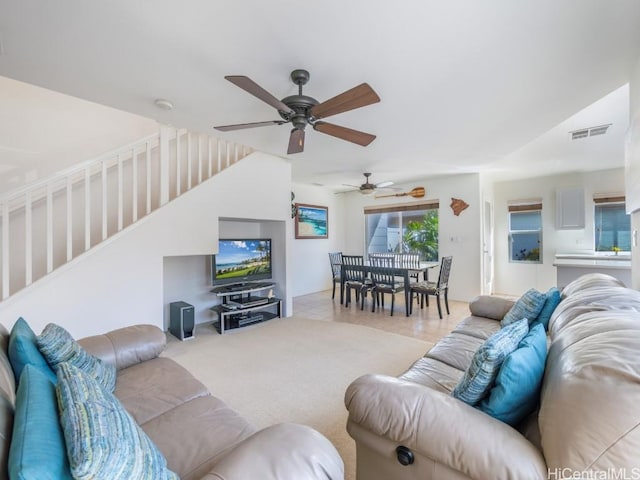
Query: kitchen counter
[{"x": 571, "y": 266}]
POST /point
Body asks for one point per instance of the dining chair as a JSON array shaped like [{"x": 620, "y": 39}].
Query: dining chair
[
  {"x": 441, "y": 287},
  {"x": 375, "y": 255},
  {"x": 335, "y": 259},
  {"x": 382, "y": 261},
  {"x": 384, "y": 280},
  {"x": 412, "y": 260},
  {"x": 354, "y": 279}
]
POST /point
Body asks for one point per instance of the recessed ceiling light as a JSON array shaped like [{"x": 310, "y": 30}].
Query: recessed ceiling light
[{"x": 163, "y": 104}]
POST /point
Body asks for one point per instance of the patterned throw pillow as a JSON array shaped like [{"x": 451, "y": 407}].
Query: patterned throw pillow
[
  {"x": 103, "y": 440},
  {"x": 528, "y": 306},
  {"x": 552, "y": 301},
  {"x": 481, "y": 373},
  {"x": 58, "y": 346},
  {"x": 517, "y": 387}
]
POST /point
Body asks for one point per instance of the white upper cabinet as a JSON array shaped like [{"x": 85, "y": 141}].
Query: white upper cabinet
[{"x": 569, "y": 208}]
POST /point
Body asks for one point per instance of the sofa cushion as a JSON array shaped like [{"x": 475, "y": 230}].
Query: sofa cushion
[
  {"x": 455, "y": 349},
  {"x": 479, "y": 327},
  {"x": 103, "y": 440},
  {"x": 517, "y": 387},
  {"x": 151, "y": 388},
  {"x": 590, "y": 280},
  {"x": 552, "y": 301},
  {"x": 58, "y": 346},
  {"x": 433, "y": 374},
  {"x": 23, "y": 350},
  {"x": 194, "y": 436},
  {"x": 37, "y": 449},
  {"x": 589, "y": 413},
  {"x": 479, "y": 377},
  {"x": 527, "y": 306}
]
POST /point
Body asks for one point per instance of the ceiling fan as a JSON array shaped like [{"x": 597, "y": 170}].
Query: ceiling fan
[
  {"x": 367, "y": 188},
  {"x": 301, "y": 110}
]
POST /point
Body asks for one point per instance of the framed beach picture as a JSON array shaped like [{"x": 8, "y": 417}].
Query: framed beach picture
[{"x": 312, "y": 221}]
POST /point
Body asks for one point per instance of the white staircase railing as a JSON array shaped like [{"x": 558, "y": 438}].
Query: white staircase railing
[{"x": 48, "y": 223}]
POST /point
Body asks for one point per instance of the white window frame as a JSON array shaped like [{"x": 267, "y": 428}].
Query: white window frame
[
  {"x": 606, "y": 200},
  {"x": 525, "y": 208}
]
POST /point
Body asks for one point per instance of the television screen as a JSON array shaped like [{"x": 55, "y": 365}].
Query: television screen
[{"x": 241, "y": 260}]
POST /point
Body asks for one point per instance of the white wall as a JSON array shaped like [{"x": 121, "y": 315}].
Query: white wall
[
  {"x": 459, "y": 235},
  {"x": 46, "y": 131},
  {"x": 121, "y": 283},
  {"x": 632, "y": 172},
  {"x": 516, "y": 278},
  {"x": 310, "y": 257}
]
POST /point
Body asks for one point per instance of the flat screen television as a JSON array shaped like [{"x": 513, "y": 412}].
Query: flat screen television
[{"x": 241, "y": 260}]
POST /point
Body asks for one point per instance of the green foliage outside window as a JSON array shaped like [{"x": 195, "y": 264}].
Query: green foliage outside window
[{"x": 422, "y": 237}]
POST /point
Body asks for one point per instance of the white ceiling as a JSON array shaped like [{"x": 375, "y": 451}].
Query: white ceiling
[{"x": 466, "y": 86}]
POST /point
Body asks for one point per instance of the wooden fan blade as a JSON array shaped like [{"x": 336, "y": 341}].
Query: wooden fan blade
[
  {"x": 345, "y": 133},
  {"x": 227, "y": 128},
  {"x": 417, "y": 192},
  {"x": 357, "y": 97},
  {"x": 296, "y": 141},
  {"x": 257, "y": 91}
]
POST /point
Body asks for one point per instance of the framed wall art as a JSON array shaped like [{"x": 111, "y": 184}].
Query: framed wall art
[{"x": 312, "y": 221}]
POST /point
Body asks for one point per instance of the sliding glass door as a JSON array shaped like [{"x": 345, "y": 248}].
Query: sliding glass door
[{"x": 403, "y": 229}]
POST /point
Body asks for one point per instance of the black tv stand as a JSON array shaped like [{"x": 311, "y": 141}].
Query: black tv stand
[
  {"x": 239, "y": 308},
  {"x": 242, "y": 287}
]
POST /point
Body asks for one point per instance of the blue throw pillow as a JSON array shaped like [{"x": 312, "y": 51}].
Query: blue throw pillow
[
  {"x": 552, "y": 301},
  {"x": 103, "y": 440},
  {"x": 23, "y": 350},
  {"x": 37, "y": 451},
  {"x": 58, "y": 346},
  {"x": 479, "y": 377},
  {"x": 528, "y": 306},
  {"x": 517, "y": 388}
]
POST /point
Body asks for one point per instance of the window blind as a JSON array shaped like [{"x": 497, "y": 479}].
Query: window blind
[{"x": 403, "y": 207}]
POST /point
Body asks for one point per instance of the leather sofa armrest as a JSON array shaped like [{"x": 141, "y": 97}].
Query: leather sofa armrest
[
  {"x": 442, "y": 428},
  {"x": 126, "y": 346},
  {"x": 489, "y": 306},
  {"x": 285, "y": 450}
]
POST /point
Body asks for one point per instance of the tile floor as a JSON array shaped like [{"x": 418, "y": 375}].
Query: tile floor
[{"x": 423, "y": 324}]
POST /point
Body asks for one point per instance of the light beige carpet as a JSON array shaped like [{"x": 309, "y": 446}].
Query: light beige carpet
[{"x": 294, "y": 370}]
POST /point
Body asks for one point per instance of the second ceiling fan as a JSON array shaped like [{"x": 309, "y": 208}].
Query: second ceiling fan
[
  {"x": 367, "y": 188},
  {"x": 301, "y": 110}
]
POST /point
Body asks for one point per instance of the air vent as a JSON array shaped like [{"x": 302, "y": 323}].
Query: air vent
[
  {"x": 579, "y": 134},
  {"x": 589, "y": 132}
]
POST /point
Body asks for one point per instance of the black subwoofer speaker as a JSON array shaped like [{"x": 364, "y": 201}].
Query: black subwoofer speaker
[{"x": 181, "y": 320}]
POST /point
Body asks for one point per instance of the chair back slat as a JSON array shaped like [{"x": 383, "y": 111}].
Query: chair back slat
[
  {"x": 353, "y": 275},
  {"x": 411, "y": 260},
  {"x": 382, "y": 261},
  {"x": 386, "y": 276}
]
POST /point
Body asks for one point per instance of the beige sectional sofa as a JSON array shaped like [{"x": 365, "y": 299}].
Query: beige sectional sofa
[
  {"x": 587, "y": 422},
  {"x": 199, "y": 435}
]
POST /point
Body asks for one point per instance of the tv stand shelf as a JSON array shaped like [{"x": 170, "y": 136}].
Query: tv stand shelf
[{"x": 240, "y": 308}]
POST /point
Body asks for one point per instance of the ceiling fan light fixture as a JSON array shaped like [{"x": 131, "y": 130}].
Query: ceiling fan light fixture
[{"x": 163, "y": 104}]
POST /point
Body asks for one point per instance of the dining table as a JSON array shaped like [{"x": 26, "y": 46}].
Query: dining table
[{"x": 398, "y": 270}]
